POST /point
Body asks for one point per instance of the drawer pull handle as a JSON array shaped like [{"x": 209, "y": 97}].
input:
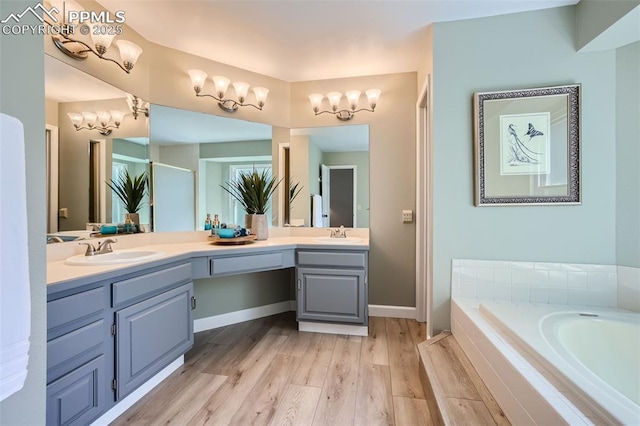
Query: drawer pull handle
[{"x": 193, "y": 303}]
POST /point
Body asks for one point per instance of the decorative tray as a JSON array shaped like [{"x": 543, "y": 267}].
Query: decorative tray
[{"x": 235, "y": 240}]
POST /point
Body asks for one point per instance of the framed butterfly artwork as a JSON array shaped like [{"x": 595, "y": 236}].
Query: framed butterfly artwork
[{"x": 527, "y": 146}]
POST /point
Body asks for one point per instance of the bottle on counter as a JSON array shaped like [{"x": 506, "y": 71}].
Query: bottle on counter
[
  {"x": 129, "y": 226},
  {"x": 215, "y": 225},
  {"x": 207, "y": 223}
]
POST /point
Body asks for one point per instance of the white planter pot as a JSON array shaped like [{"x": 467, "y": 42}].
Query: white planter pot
[{"x": 259, "y": 226}]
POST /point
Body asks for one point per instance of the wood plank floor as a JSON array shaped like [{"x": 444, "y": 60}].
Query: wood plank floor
[{"x": 266, "y": 372}]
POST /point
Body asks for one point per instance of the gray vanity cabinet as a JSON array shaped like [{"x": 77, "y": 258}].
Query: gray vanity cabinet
[
  {"x": 150, "y": 335},
  {"x": 78, "y": 352},
  {"x": 332, "y": 286},
  {"x": 106, "y": 338}
]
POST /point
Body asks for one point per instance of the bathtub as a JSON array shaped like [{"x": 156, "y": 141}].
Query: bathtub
[{"x": 593, "y": 353}]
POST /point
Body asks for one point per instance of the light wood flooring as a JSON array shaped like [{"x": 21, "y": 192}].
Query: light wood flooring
[{"x": 266, "y": 372}]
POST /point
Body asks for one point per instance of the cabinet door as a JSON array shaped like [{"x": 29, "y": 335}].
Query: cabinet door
[
  {"x": 78, "y": 397},
  {"x": 150, "y": 335},
  {"x": 332, "y": 295}
]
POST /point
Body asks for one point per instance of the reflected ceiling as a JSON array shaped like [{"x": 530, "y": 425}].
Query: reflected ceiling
[
  {"x": 338, "y": 138},
  {"x": 170, "y": 126}
]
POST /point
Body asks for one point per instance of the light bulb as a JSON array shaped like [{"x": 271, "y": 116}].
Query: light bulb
[
  {"x": 197, "y": 79},
  {"x": 241, "y": 90},
  {"x": 316, "y": 101},
  {"x": 90, "y": 118},
  {"x": 103, "y": 118},
  {"x": 102, "y": 41},
  {"x": 261, "y": 95},
  {"x": 222, "y": 83},
  {"x": 353, "y": 96},
  {"x": 334, "y": 99},
  {"x": 117, "y": 116},
  {"x": 129, "y": 52},
  {"x": 76, "y": 118},
  {"x": 373, "y": 95}
]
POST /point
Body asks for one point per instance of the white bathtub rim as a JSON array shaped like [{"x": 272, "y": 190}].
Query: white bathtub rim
[
  {"x": 581, "y": 383},
  {"x": 518, "y": 405}
]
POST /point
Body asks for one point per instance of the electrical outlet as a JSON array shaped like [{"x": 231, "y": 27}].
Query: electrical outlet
[{"x": 407, "y": 216}]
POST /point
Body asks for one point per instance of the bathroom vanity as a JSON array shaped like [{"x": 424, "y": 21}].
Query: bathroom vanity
[{"x": 112, "y": 328}]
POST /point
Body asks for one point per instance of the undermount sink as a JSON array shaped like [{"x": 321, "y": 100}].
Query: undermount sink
[
  {"x": 330, "y": 240},
  {"x": 113, "y": 258}
]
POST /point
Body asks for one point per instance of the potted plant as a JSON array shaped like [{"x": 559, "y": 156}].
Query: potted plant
[
  {"x": 253, "y": 191},
  {"x": 131, "y": 191},
  {"x": 294, "y": 190}
]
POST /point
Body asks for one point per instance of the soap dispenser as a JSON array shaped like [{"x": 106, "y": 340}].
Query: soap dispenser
[
  {"x": 215, "y": 226},
  {"x": 207, "y": 223}
]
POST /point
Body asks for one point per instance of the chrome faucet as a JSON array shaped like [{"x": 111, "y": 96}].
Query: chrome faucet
[
  {"x": 103, "y": 247},
  {"x": 338, "y": 233}
]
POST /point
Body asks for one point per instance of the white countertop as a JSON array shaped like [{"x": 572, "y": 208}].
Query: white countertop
[{"x": 58, "y": 272}]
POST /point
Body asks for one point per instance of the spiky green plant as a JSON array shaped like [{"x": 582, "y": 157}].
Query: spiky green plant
[
  {"x": 294, "y": 190},
  {"x": 253, "y": 190},
  {"x": 130, "y": 190}
]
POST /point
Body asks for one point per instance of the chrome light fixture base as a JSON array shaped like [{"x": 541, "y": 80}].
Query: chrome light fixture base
[
  {"x": 228, "y": 105},
  {"x": 64, "y": 45}
]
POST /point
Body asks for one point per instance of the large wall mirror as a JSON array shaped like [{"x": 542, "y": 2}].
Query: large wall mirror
[
  {"x": 81, "y": 161},
  {"x": 192, "y": 155},
  {"x": 331, "y": 164}
]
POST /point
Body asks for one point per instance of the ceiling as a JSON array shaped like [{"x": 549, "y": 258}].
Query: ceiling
[{"x": 307, "y": 39}]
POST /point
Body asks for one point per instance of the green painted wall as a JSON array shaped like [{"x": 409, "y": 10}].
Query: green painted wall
[
  {"x": 628, "y": 155},
  {"x": 22, "y": 96},
  {"x": 228, "y": 294},
  {"x": 524, "y": 50}
]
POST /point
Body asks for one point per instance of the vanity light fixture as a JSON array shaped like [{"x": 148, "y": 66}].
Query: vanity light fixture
[
  {"x": 222, "y": 83},
  {"x": 137, "y": 106},
  {"x": 79, "y": 50},
  {"x": 102, "y": 121},
  {"x": 353, "y": 96}
]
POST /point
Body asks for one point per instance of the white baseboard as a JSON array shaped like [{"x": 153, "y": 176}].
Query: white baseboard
[
  {"x": 319, "y": 327},
  {"x": 389, "y": 311},
  {"x": 137, "y": 394},
  {"x": 222, "y": 320}
]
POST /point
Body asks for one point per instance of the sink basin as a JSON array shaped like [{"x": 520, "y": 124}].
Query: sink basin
[
  {"x": 114, "y": 258},
  {"x": 329, "y": 240}
]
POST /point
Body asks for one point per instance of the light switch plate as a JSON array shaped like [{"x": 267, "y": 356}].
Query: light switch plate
[
  {"x": 407, "y": 216},
  {"x": 63, "y": 213}
]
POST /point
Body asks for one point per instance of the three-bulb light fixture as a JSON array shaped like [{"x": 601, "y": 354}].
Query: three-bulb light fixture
[
  {"x": 222, "y": 84},
  {"x": 101, "y": 36},
  {"x": 137, "y": 106},
  {"x": 353, "y": 96},
  {"x": 102, "y": 121}
]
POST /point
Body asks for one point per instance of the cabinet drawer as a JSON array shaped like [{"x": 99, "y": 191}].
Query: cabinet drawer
[
  {"x": 71, "y": 345},
  {"x": 342, "y": 259},
  {"x": 147, "y": 284},
  {"x": 246, "y": 263},
  {"x": 63, "y": 311},
  {"x": 80, "y": 396}
]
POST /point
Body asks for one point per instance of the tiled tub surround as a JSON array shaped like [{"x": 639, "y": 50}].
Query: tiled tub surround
[
  {"x": 535, "y": 282},
  {"x": 522, "y": 380}
]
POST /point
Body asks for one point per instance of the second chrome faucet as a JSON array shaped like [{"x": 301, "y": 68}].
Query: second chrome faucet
[{"x": 103, "y": 247}]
